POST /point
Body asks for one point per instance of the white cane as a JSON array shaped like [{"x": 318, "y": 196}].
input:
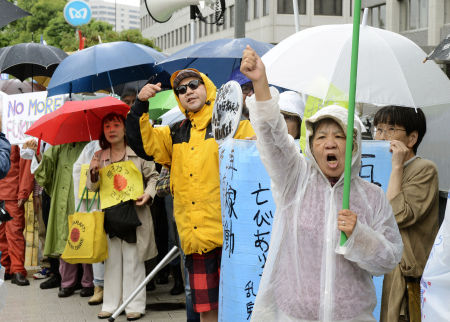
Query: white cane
[{"x": 174, "y": 252}]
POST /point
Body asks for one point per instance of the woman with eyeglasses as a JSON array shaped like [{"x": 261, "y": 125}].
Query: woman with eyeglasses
[{"x": 413, "y": 193}]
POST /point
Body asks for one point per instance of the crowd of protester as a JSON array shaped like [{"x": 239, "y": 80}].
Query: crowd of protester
[{"x": 388, "y": 234}]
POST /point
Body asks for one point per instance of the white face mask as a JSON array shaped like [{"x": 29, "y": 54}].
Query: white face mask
[{"x": 26, "y": 154}]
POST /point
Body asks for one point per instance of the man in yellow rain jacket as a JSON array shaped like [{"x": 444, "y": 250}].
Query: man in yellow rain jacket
[{"x": 188, "y": 148}]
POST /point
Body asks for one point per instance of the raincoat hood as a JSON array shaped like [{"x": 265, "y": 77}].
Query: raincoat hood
[
  {"x": 340, "y": 116},
  {"x": 201, "y": 118},
  {"x": 304, "y": 252}
]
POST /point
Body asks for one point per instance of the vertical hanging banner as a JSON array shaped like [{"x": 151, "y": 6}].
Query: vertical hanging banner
[
  {"x": 247, "y": 216},
  {"x": 20, "y": 111}
]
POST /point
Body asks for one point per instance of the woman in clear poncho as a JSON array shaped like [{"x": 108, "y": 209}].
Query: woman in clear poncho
[{"x": 308, "y": 276}]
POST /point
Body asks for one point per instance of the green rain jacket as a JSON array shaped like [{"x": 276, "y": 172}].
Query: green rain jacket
[{"x": 54, "y": 174}]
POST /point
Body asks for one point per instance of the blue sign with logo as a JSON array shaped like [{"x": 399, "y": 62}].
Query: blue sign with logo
[{"x": 77, "y": 13}]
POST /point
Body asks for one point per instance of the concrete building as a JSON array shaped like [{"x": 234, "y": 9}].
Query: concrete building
[
  {"x": 122, "y": 17},
  {"x": 426, "y": 22}
]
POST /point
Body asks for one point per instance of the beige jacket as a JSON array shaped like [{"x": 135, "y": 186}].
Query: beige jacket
[
  {"x": 416, "y": 210},
  {"x": 145, "y": 235}
]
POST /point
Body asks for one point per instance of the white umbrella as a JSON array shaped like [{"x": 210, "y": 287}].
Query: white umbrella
[
  {"x": 390, "y": 67},
  {"x": 172, "y": 116}
]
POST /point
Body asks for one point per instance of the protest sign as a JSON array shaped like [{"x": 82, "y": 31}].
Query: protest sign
[
  {"x": 313, "y": 104},
  {"x": 83, "y": 177},
  {"x": 120, "y": 181},
  {"x": 247, "y": 215},
  {"x": 227, "y": 111},
  {"x": 20, "y": 111},
  {"x": 435, "y": 283}
]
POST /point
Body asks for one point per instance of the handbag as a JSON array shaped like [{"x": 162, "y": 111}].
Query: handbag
[
  {"x": 121, "y": 220},
  {"x": 86, "y": 242}
]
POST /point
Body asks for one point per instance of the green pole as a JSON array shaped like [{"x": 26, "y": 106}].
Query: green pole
[{"x": 351, "y": 110}]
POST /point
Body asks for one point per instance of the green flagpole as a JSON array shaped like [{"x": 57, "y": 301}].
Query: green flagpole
[{"x": 351, "y": 110}]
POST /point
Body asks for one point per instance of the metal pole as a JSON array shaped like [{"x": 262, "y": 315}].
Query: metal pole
[
  {"x": 240, "y": 14},
  {"x": 296, "y": 15},
  {"x": 192, "y": 25},
  {"x": 174, "y": 252},
  {"x": 351, "y": 111}
]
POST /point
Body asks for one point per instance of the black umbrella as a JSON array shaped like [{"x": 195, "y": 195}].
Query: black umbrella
[
  {"x": 30, "y": 59},
  {"x": 442, "y": 51},
  {"x": 9, "y": 12},
  {"x": 133, "y": 86}
]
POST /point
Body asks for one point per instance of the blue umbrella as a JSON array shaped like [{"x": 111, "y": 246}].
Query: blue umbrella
[
  {"x": 103, "y": 66},
  {"x": 216, "y": 58}
]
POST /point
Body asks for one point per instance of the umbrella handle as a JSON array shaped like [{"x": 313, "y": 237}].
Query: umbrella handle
[
  {"x": 87, "y": 122},
  {"x": 110, "y": 82},
  {"x": 38, "y": 151}
]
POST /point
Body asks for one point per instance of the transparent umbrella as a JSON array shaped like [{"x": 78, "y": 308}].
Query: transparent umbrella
[{"x": 316, "y": 61}]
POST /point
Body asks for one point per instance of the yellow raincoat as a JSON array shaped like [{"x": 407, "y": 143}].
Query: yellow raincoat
[{"x": 189, "y": 149}]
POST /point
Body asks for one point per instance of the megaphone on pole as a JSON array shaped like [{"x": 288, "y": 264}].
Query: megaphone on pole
[{"x": 161, "y": 10}]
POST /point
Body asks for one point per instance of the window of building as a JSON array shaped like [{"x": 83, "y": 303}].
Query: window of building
[
  {"x": 172, "y": 39},
  {"x": 206, "y": 26},
  {"x": 200, "y": 33},
  {"x": 231, "y": 16},
  {"x": 224, "y": 26},
  {"x": 176, "y": 37},
  {"x": 266, "y": 7},
  {"x": 255, "y": 9},
  {"x": 417, "y": 14},
  {"x": 287, "y": 7},
  {"x": 189, "y": 32},
  {"x": 211, "y": 26},
  {"x": 328, "y": 7},
  {"x": 185, "y": 34},
  {"x": 247, "y": 10},
  {"x": 447, "y": 11},
  {"x": 377, "y": 16}
]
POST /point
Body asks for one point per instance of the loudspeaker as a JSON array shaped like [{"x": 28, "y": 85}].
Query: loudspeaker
[{"x": 161, "y": 10}]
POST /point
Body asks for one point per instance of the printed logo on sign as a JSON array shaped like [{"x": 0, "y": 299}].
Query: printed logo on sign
[
  {"x": 76, "y": 240},
  {"x": 77, "y": 13},
  {"x": 120, "y": 182}
]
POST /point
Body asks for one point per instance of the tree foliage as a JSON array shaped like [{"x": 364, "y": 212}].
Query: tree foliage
[{"x": 47, "y": 19}]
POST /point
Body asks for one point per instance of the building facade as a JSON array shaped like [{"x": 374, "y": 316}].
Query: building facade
[
  {"x": 122, "y": 17},
  {"x": 426, "y": 22}
]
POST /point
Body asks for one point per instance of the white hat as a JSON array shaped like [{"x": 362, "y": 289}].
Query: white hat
[{"x": 292, "y": 103}]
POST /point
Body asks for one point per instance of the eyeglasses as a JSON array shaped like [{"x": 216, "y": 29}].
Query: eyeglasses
[
  {"x": 387, "y": 132},
  {"x": 193, "y": 84}
]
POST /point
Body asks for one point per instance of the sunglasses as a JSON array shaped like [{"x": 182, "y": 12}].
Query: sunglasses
[{"x": 193, "y": 84}]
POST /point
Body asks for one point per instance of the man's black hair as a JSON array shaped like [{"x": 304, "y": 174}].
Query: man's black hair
[
  {"x": 412, "y": 119},
  {"x": 128, "y": 92}
]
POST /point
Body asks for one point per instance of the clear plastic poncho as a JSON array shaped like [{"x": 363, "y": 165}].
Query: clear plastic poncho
[
  {"x": 84, "y": 158},
  {"x": 308, "y": 276}
]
